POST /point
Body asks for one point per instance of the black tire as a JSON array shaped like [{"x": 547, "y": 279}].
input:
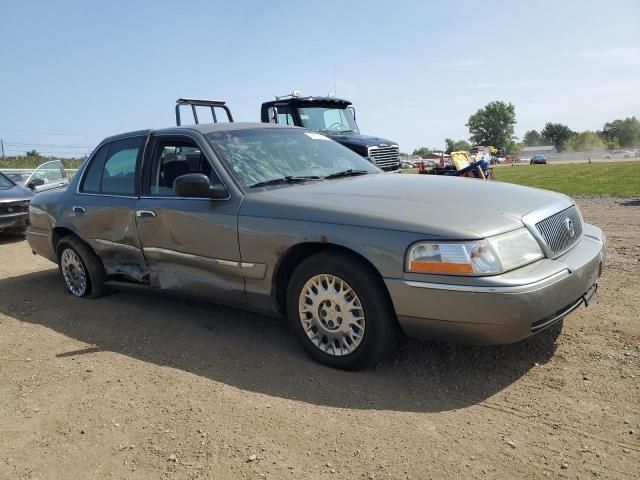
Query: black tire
[
  {"x": 93, "y": 268},
  {"x": 380, "y": 327}
]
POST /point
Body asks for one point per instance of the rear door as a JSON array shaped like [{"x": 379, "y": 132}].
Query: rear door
[
  {"x": 190, "y": 244},
  {"x": 103, "y": 208}
]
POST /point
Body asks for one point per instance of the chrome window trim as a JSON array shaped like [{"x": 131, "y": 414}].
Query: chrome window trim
[
  {"x": 164, "y": 197},
  {"x": 112, "y": 195}
]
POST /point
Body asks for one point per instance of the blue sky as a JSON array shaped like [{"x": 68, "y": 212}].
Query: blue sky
[{"x": 72, "y": 72}]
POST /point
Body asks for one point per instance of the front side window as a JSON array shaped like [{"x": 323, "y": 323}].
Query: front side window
[
  {"x": 264, "y": 154},
  {"x": 49, "y": 172},
  {"x": 328, "y": 119},
  {"x": 173, "y": 158},
  {"x": 113, "y": 168},
  {"x": 280, "y": 115}
]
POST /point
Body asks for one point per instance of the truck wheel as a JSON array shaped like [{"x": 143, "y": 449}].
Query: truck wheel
[
  {"x": 81, "y": 268},
  {"x": 339, "y": 310}
]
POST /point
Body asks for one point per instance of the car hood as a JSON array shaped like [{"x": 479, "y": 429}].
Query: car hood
[
  {"x": 435, "y": 206},
  {"x": 358, "y": 139},
  {"x": 15, "y": 194}
]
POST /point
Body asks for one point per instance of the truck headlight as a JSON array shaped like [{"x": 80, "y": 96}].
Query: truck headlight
[{"x": 489, "y": 256}]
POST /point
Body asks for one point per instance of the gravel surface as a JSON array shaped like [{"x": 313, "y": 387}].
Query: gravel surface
[{"x": 142, "y": 386}]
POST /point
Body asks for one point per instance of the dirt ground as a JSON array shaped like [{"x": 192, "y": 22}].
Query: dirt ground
[{"x": 139, "y": 386}]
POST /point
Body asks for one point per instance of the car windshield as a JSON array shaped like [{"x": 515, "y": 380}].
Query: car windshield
[
  {"x": 5, "y": 182},
  {"x": 255, "y": 156},
  {"x": 328, "y": 119}
]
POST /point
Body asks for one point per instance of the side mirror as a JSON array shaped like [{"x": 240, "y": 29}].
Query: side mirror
[
  {"x": 36, "y": 182},
  {"x": 197, "y": 185}
]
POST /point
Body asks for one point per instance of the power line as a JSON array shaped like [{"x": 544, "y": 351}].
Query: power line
[
  {"x": 15, "y": 152},
  {"x": 46, "y": 145}
]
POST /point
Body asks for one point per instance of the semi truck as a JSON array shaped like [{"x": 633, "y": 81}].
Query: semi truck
[{"x": 335, "y": 118}]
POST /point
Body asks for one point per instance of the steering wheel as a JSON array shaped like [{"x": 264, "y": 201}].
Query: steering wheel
[{"x": 335, "y": 126}]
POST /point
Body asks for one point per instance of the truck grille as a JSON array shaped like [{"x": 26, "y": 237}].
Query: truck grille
[
  {"x": 561, "y": 231},
  {"x": 13, "y": 207},
  {"x": 386, "y": 158}
]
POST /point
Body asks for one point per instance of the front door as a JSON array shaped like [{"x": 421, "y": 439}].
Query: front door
[{"x": 190, "y": 244}]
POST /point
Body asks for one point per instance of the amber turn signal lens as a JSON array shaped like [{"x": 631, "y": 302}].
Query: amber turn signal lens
[{"x": 438, "y": 267}]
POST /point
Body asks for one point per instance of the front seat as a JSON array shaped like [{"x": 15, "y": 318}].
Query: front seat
[{"x": 172, "y": 170}]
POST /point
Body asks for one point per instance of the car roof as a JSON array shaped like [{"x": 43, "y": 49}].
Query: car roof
[{"x": 203, "y": 128}]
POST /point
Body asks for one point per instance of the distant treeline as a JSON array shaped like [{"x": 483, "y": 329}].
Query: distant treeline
[{"x": 32, "y": 161}]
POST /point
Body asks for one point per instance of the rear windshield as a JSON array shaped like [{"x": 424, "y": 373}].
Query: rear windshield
[{"x": 263, "y": 154}]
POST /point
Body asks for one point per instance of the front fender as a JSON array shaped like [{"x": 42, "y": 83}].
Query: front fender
[{"x": 268, "y": 240}]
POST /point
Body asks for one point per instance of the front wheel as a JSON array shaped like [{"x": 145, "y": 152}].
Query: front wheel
[{"x": 338, "y": 308}]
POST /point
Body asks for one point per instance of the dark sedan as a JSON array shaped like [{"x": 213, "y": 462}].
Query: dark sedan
[
  {"x": 14, "y": 206},
  {"x": 538, "y": 160}
]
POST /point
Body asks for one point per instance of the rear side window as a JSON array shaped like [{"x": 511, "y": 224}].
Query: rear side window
[{"x": 113, "y": 168}]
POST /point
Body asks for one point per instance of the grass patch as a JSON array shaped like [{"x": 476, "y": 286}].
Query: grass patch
[{"x": 616, "y": 178}]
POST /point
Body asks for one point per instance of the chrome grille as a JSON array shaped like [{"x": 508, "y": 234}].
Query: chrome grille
[
  {"x": 13, "y": 207},
  {"x": 387, "y": 158},
  {"x": 556, "y": 230}
]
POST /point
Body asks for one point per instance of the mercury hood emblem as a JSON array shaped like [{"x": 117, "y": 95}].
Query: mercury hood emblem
[{"x": 568, "y": 225}]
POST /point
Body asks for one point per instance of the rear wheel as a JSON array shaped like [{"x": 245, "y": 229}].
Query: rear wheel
[
  {"x": 339, "y": 310},
  {"x": 81, "y": 268}
]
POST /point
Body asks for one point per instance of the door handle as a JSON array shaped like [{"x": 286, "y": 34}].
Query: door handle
[
  {"x": 145, "y": 213},
  {"x": 79, "y": 210}
]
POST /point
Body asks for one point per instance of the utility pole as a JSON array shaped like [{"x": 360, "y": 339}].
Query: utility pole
[{"x": 2, "y": 146}]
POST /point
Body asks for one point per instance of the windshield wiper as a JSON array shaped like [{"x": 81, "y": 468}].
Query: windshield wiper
[
  {"x": 328, "y": 130},
  {"x": 285, "y": 179},
  {"x": 347, "y": 173}
]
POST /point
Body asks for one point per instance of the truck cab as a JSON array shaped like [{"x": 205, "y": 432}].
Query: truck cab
[{"x": 335, "y": 118}]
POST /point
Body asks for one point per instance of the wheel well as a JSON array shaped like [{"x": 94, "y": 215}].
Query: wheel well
[
  {"x": 297, "y": 254},
  {"x": 59, "y": 233}
]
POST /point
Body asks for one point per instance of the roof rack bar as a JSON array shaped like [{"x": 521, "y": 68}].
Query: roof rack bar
[
  {"x": 195, "y": 114},
  {"x": 195, "y": 102}
]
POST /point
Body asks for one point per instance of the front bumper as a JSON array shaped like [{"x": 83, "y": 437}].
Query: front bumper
[
  {"x": 505, "y": 308},
  {"x": 14, "y": 221}
]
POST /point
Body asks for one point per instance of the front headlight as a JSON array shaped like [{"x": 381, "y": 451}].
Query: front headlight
[{"x": 482, "y": 257}]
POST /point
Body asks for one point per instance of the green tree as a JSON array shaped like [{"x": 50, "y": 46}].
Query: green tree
[
  {"x": 626, "y": 131},
  {"x": 493, "y": 125},
  {"x": 514, "y": 148},
  {"x": 456, "y": 146},
  {"x": 33, "y": 153},
  {"x": 422, "y": 151},
  {"x": 556, "y": 134},
  {"x": 532, "y": 138},
  {"x": 584, "y": 141}
]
